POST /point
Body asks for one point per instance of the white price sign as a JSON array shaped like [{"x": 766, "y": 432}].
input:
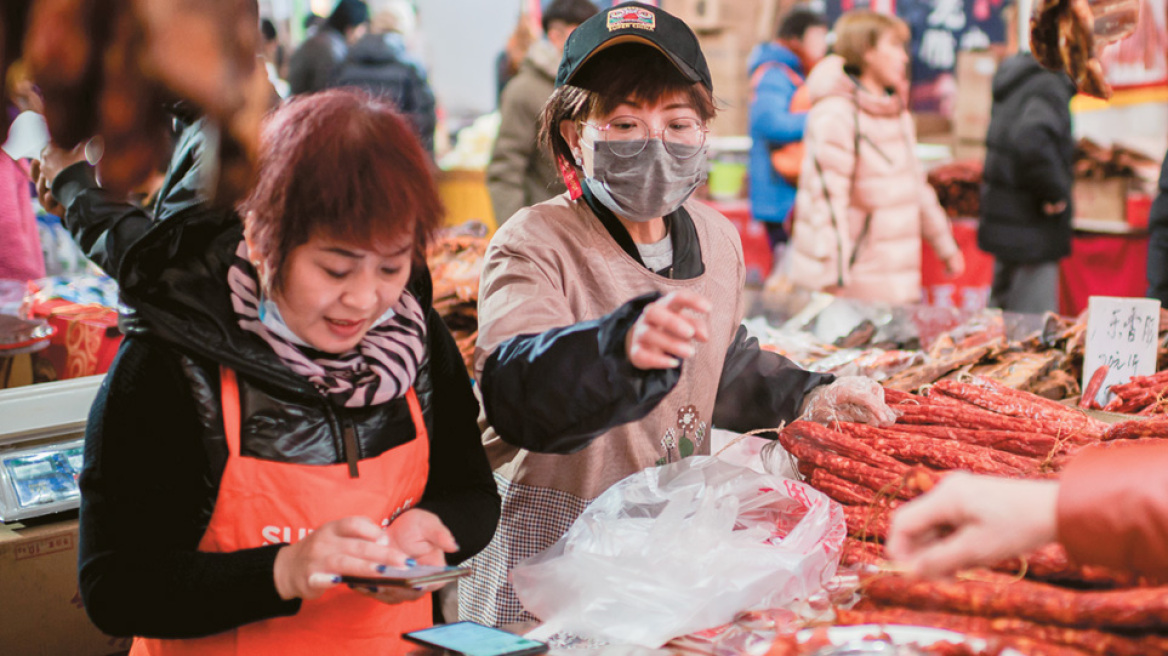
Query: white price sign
[{"x": 1121, "y": 335}]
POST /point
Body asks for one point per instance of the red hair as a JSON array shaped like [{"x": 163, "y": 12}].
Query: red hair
[{"x": 341, "y": 164}]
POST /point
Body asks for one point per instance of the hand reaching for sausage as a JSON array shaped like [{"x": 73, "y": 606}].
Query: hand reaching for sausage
[
  {"x": 849, "y": 398},
  {"x": 973, "y": 520},
  {"x": 666, "y": 332}
]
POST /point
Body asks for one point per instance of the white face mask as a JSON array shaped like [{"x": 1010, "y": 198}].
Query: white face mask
[
  {"x": 270, "y": 316},
  {"x": 647, "y": 186}
]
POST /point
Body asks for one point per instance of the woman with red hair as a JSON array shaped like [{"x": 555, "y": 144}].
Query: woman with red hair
[{"x": 286, "y": 408}]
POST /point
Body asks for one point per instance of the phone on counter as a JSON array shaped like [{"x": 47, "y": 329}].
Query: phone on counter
[
  {"x": 411, "y": 577},
  {"x": 473, "y": 639}
]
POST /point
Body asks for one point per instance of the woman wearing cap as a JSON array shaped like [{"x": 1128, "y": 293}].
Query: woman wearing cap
[
  {"x": 863, "y": 203},
  {"x": 286, "y": 408},
  {"x": 609, "y": 316}
]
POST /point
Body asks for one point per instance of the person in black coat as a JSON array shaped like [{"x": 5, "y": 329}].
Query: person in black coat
[
  {"x": 156, "y": 446},
  {"x": 1026, "y": 204},
  {"x": 1158, "y": 241},
  {"x": 380, "y": 64},
  {"x": 316, "y": 60}
]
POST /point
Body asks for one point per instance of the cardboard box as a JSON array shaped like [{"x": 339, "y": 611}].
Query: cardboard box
[
  {"x": 975, "y": 97},
  {"x": 754, "y": 20},
  {"x": 39, "y": 600},
  {"x": 726, "y": 54},
  {"x": 963, "y": 150},
  {"x": 700, "y": 15},
  {"x": 1101, "y": 200}
]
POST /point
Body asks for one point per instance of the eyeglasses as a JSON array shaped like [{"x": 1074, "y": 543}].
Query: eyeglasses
[{"x": 626, "y": 136}]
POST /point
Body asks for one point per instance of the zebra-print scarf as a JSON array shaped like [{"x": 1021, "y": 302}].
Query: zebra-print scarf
[{"x": 382, "y": 367}]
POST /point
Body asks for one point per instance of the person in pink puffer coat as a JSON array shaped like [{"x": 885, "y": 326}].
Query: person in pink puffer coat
[
  {"x": 863, "y": 203},
  {"x": 20, "y": 246}
]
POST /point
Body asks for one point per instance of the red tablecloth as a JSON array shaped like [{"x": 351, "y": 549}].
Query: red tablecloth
[
  {"x": 756, "y": 247},
  {"x": 971, "y": 289},
  {"x": 1102, "y": 265}
]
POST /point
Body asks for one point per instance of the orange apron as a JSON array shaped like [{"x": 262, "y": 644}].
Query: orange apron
[{"x": 262, "y": 502}]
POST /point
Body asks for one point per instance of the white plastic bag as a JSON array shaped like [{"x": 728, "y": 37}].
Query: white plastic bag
[{"x": 676, "y": 549}]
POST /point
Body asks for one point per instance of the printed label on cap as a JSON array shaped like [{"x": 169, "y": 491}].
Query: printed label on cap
[{"x": 631, "y": 17}]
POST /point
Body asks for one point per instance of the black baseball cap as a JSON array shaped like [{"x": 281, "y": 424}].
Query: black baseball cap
[{"x": 633, "y": 22}]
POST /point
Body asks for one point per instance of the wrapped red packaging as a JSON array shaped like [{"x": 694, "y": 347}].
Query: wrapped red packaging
[{"x": 86, "y": 341}]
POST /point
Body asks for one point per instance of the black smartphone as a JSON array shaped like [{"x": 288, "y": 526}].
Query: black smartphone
[
  {"x": 473, "y": 639},
  {"x": 409, "y": 577}
]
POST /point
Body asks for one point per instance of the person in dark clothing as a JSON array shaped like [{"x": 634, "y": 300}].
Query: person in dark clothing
[
  {"x": 380, "y": 64},
  {"x": 1026, "y": 204},
  {"x": 777, "y": 71},
  {"x": 269, "y": 424},
  {"x": 1158, "y": 241},
  {"x": 519, "y": 173},
  {"x": 313, "y": 64}
]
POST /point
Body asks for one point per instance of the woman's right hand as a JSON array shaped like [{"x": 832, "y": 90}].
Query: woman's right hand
[
  {"x": 665, "y": 333},
  {"x": 970, "y": 520},
  {"x": 354, "y": 546}
]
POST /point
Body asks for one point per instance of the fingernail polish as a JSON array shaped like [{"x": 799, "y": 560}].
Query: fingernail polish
[
  {"x": 372, "y": 589},
  {"x": 418, "y": 588},
  {"x": 410, "y": 562},
  {"x": 336, "y": 578},
  {"x": 381, "y": 569}
]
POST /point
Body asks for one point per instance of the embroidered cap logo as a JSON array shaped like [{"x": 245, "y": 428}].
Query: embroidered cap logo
[{"x": 631, "y": 17}]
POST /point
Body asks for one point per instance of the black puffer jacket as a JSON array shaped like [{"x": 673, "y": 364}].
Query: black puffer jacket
[
  {"x": 380, "y": 64},
  {"x": 1028, "y": 164},
  {"x": 155, "y": 448},
  {"x": 1158, "y": 241}
]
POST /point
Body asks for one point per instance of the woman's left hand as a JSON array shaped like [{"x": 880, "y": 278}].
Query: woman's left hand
[
  {"x": 955, "y": 265},
  {"x": 849, "y": 398},
  {"x": 422, "y": 536}
]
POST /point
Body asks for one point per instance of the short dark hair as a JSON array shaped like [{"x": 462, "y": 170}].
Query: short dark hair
[
  {"x": 348, "y": 13},
  {"x": 343, "y": 163},
  {"x": 572, "y": 12},
  {"x": 626, "y": 71},
  {"x": 268, "y": 29},
  {"x": 797, "y": 21}
]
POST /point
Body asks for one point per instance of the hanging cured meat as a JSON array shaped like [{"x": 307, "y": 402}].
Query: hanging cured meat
[
  {"x": 109, "y": 68},
  {"x": 1067, "y": 34}
]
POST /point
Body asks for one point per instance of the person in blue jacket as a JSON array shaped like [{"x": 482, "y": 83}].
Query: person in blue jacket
[{"x": 777, "y": 70}]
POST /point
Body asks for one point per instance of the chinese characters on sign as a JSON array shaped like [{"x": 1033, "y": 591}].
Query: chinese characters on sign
[{"x": 1121, "y": 334}]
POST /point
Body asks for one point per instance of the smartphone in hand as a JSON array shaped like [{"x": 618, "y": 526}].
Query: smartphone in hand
[
  {"x": 473, "y": 639},
  {"x": 411, "y": 577}
]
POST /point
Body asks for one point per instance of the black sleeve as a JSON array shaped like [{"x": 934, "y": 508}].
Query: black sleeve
[
  {"x": 424, "y": 109},
  {"x": 760, "y": 389},
  {"x": 461, "y": 488},
  {"x": 557, "y": 391},
  {"x": 1158, "y": 241},
  {"x": 145, "y": 496},
  {"x": 1043, "y": 130},
  {"x": 104, "y": 228}
]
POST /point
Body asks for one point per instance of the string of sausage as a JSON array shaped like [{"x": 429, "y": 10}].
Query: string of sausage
[
  {"x": 1134, "y": 608},
  {"x": 1091, "y": 641},
  {"x": 942, "y": 453},
  {"x": 998, "y": 398}
]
